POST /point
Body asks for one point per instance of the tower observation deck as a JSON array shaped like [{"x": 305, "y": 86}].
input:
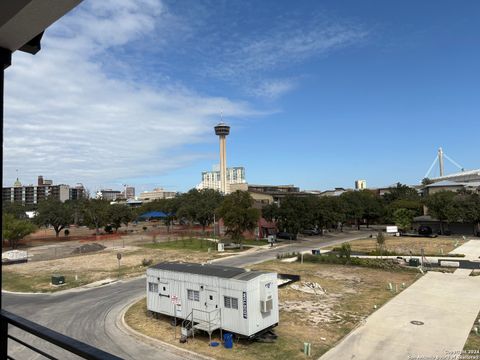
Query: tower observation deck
[{"x": 222, "y": 129}]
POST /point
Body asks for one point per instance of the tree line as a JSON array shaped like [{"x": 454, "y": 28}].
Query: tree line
[
  {"x": 399, "y": 205},
  {"x": 195, "y": 206}
]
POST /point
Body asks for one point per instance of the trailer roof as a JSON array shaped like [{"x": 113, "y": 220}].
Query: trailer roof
[
  {"x": 226, "y": 272},
  {"x": 249, "y": 275}
]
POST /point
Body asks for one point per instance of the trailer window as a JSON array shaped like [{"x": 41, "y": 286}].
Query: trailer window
[
  {"x": 152, "y": 287},
  {"x": 230, "y": 302},
  {"x": 193, "y": 295}
]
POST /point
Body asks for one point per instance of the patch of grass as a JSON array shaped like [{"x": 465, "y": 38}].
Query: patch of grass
[
  {"x": 184, "y": 244},
  {"x": 400, "y": 246},
  {"x": 40, "y": 282},
  {"x": 254, "y": 242},
  {"x": 386, "y": 264},
  {"x": 473, "y": 340}
]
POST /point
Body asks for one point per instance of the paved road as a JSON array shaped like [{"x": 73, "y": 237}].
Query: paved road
[
  {"x": 92, "y": 315},
  {"x": 446, "y": 304},
  {"x": 305, "y": 244}
]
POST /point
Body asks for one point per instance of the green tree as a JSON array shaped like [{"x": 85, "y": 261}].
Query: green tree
[
  {"x": 426, "y": 181},
  {"x": 270, "y": 212},
  {"x": 441, "y": 206},
  {"x": 199, "y": 206},
  {"x": 119, "y": 214},
  {"x": 14, "y": 229},
  {"x": 401, "y": 192},
  {"x": 296, "y": 213},
  {"x": 15, "y": 209},
  {"x": 95, "y": 213},
  {"x": 76, "y": 208},
  {"x": 53, "y": 212},
  {"x": 362, "y": 205},
  {"x": 238, "y": 214},
  {"x": 403, "y": 218},
  {"x": 469, "y": 207}
]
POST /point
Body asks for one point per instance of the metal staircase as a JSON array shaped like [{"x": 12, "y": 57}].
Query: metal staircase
[{"x": 203, "y": 320}]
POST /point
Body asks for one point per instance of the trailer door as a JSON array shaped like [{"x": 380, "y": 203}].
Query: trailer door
[
  {"x": 212, "y": 300},
  {"x": 164, "y": 296}
]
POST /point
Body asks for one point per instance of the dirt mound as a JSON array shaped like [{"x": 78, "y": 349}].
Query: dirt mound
[{"x": 88, "y": 248}]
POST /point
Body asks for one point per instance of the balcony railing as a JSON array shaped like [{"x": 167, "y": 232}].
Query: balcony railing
[{"x": 67, "y": 343}]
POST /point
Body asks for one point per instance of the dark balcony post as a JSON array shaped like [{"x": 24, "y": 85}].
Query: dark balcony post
[{"x": 5, "y": 60}]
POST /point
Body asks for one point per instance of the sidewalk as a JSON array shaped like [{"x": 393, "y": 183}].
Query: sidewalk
[
  {"x": 444, "y": 307},
  {"x": 471, "y": 250}
]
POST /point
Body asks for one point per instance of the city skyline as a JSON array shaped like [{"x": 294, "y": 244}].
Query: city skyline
[{"x": 318, "y": 95}]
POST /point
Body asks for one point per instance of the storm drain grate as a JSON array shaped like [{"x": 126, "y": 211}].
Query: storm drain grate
[{"x": 416, "y": 322}]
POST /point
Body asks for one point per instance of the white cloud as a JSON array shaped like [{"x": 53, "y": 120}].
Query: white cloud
[
  {"x": 273, "y": 88},
  {"x": 284, "y": 46},
  {"x": 68, "y": 117}
]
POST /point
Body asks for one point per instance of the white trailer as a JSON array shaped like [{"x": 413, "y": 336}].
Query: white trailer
[
  {"x": 210, "y": 297},
  {"x": 14, "y": 257}
]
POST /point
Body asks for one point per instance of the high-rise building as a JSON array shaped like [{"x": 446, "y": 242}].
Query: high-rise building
[
  {"x": 77, "y": 192},
  {"x": 212, "y": 179},
  {"x": 360, "y": 184},
  {"x": 129, "y": 192},
  {"x": 33, "y": 194}
]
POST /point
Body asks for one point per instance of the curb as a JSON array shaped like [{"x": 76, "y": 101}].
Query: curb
[{"x": 187, "y": 354}]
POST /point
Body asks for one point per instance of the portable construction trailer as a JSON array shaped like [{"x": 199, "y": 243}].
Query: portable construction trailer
[{"x": 210, "y": 297}]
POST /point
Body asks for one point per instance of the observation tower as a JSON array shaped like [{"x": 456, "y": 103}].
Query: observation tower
[{"x": 222, "y": 130}]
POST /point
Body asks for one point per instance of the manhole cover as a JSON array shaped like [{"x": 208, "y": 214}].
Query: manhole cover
[{"x": 416, "y": 322}]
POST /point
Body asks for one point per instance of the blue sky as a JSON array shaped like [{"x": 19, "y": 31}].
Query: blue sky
[{"x": 317, "y": 93}]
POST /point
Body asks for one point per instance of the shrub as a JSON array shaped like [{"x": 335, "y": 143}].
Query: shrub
[
  {"x": 108, "y": 229},
  {"x": 371, "y": 263},
  {"x": 345, "y": 251},
  {"x": 287, "y": 255},
  {"x": 66, "y": 232},
  {"x": 146, "y": 262}
]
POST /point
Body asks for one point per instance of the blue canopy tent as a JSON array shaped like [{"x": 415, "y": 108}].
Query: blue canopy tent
[{"x": 154, "y": 215}]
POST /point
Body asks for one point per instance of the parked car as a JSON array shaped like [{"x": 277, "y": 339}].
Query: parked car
[
  {"x": 310, "y": 232},
  {"x": 425, "y": 230},
  {"x": 286, "y": 235}
]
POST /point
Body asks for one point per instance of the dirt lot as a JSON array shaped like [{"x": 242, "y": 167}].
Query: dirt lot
[
  {"x": 403, "y": 245},
  {"x": 82, "y": 269},
  {"x": 343, "y": 297}
]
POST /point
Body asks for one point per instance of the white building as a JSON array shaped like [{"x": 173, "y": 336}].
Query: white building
[
  {"x": 211, "y": 297},
  {"x": 211, "y": 179},
  {"x": 360, "y": 184},
  {"x": 156, "y": 194}
]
